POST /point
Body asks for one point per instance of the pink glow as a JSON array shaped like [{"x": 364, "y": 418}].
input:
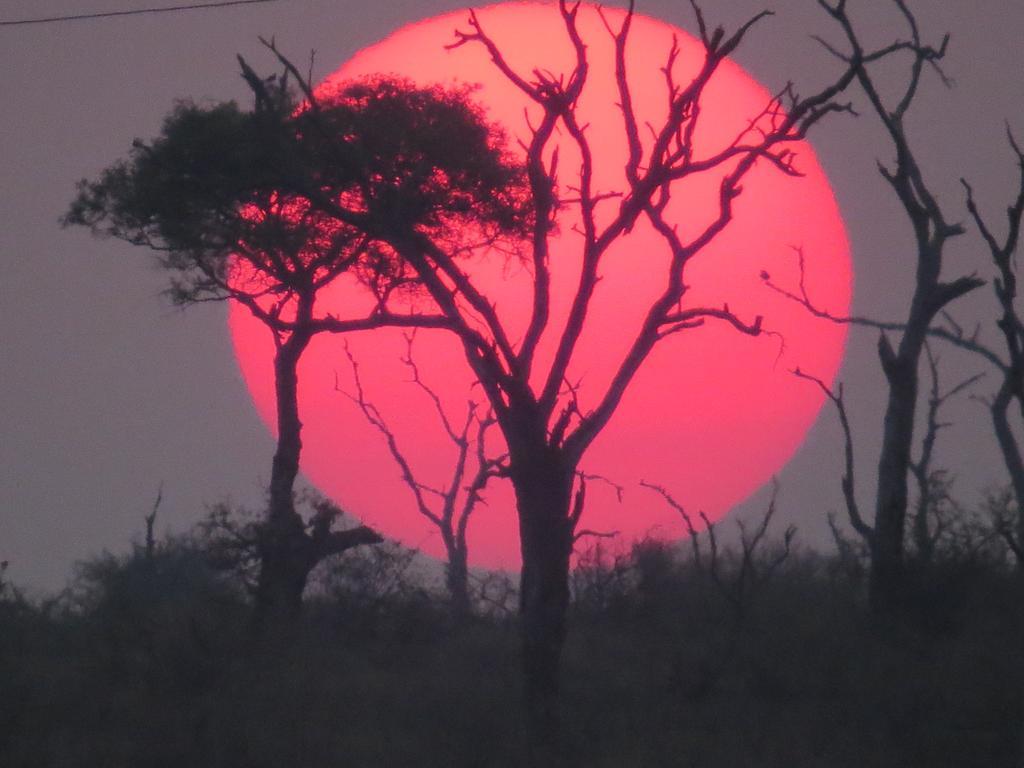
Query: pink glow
[{"x": 711, "y": 416}]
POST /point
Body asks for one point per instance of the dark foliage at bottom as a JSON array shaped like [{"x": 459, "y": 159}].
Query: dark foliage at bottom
[{"x": 148, "y": 660}]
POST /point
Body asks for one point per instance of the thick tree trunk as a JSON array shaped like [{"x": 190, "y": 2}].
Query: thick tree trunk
[
  {"x": 886, "y": 582},
  {"x": 887, "y": 562},
  {"x": 288, "y": 553},
  {"x": 283, "y": 566},
  {"x": 543, "y": 488}
]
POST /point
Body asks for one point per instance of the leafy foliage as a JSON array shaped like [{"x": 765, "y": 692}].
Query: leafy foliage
[
  {"x": 285, "y": 197},
  {"x": 412, "y": 157}
]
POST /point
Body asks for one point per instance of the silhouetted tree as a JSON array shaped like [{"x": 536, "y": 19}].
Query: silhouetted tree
[
  {"x": 449, "y": 507},
  {"x": 244, "y": 205},
  {"x": 935, "y": 507},
  {"x": 751, "y": 568},
  {"x": 545, "y": 430},
  {"x": 937, "y": 519},
  {"x": 1011, "y": 327},
  {"x": 397, "y": 202},
  {"x": 932, "y": 294}
]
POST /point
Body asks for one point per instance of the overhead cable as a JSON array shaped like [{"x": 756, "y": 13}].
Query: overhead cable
[{"x": 130, "y": 12}]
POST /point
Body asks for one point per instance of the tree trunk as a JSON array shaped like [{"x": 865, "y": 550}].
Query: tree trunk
[
  {"x": 457, "y": 581},
  {"x": 887, "y": 577},
  {"x": 922, "y": 534},
  {"x": 1020, "y": 658},
  {"x": 543, "y": 488},
  {"x": 283, "y": 566},
  {"x": 1011, "y": 451},
  {"x": 1015, "y": 466}
]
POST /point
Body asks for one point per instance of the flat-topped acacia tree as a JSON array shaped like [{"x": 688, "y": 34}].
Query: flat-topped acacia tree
[{"x": 232, "y": 200}]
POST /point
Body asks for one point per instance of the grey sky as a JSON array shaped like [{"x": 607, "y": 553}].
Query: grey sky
[{"x": 106, "y": 391}]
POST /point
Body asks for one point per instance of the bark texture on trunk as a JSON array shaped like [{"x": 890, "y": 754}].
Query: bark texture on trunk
[{"x": 543, "y": 487}]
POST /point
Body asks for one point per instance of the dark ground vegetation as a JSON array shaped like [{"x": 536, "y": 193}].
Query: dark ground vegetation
[{"x": 148, "y": 659}]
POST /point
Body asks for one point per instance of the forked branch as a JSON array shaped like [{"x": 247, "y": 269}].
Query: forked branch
[
  {"x": 848, "y": 482},
  {"x": 751, "y": 570},
  {"x": 951, "y": 332},
  {"x": 460, "y": 497},
  {"x": 1010, "y": 325}
]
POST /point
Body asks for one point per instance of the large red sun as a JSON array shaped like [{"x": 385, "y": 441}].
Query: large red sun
[{"x": 712, "y": 414}]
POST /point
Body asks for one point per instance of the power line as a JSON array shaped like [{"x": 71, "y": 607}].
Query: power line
[{"x": 136, "y": 12}]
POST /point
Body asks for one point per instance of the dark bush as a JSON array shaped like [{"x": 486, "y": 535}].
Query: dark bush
[{"x": 148, "y": 660}]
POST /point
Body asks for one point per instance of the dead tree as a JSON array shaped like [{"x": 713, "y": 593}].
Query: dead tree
[
  {"x": 546, "y": 431},
  {"x": 932, "y": 231},
  {"x": 1011, "y": 326},
  {"x": 929, "y": 521},
  {"x": 449, "y": 507},
  {"x": 1011, "y": 369}
]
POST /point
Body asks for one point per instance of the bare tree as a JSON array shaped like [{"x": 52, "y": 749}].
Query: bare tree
[
  {"x": 932, "y": 512},
  {"x": 1000, "y": 511},
  {"x": 449, "y": 507},
  {"x": 546, "y": 430},
  {"x": 931, "y": 483},
  {"x": 1011, "y": 326},
  {"x": 930, "y": 521},
  {"x": 932, "y": 231}
]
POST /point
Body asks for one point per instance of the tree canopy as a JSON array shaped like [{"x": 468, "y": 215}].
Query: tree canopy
[
  {"x": 281, "y": 199},
  {"x": 268, "y": 206}
]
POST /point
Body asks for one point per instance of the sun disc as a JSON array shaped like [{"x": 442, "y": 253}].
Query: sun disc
[{"x": 712, "y": 415}]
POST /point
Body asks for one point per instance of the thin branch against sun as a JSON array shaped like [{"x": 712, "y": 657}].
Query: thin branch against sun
[
  {"x": 455, "y": 502},
  {"x": 531, "y": 336}
]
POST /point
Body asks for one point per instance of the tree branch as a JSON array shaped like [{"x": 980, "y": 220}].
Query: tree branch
[{"x": 849, "y": 491}]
